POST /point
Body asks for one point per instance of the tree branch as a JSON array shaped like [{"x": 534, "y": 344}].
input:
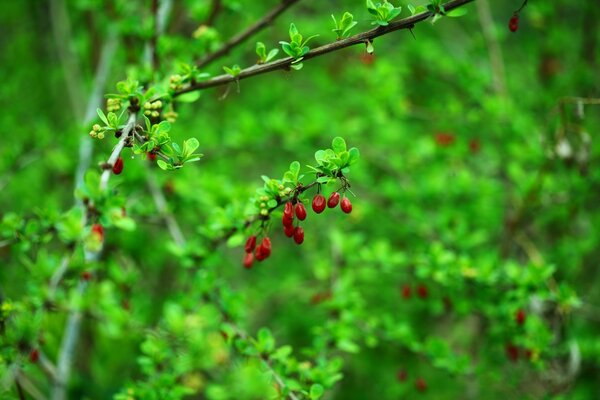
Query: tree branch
[
  {"x": 250, "y": 31},
  {"x": 117, "y": 150},
  {"x": 284, "y": 63},
  {"x": 215, "y": 9}
]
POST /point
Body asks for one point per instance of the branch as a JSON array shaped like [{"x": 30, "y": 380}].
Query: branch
[
  {"x": 117, "y": 151},
  {"x": 215, "y": 9},
  {"x": 250, "y": 31},
  {"x": 284, "y": 63}
]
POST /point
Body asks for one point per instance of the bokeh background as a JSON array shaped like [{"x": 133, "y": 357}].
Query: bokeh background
[{"x": 478, "y": 180}]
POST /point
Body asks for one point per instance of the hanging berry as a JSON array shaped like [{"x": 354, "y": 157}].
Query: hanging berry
[
  {"x": 346, "y": 205},
  {"x": 300, "y": 211},
  {"x": 118, "y": 166},
  {"x": 248, "y": 260},
  {"x": 334, "y": 199},
  {"x": 513, "y": 23},
  {"x": 318, "y": 203},
  {"x": 299, "y": 235},
  {"x": 250, "y": 244}
]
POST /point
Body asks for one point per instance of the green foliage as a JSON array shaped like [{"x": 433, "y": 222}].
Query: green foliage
[
  {"x": 468, "y": 262},
  {"x": 297, "y": 47},
  {"x": 382, "y": 13}
]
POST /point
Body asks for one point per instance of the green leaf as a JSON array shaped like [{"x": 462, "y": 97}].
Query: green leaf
[
  {"x": 338, "y": 145},
  {"x": 316, "y": 391},
  {"x": 457, "y": 12},
  {"x": 295, "y": 168},
  {"x": 163, "y": 165},
  {"x": 189, "y": 97},
  {"x": 272, "y": 54},
  {"x": 190, "y": 145},
  {"x": 102, "y": 116},
  {"x": 354, "y": 156}
]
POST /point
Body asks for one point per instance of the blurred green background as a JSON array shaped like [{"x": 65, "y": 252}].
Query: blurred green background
[{"x": 478, "y": 178}]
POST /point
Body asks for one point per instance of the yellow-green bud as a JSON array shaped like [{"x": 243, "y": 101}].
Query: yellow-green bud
[
  {"x": 147, "y": 105},
  {"x": 96, "y": 127},
  {"x": 263, "y": 205},
  {"x": 100, "y": 135},
  {"x": 264, "y": 211},
  {"x": 155, "y": 114}
]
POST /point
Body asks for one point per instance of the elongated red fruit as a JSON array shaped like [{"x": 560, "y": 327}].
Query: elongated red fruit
[
  {"x": 318, "y": 203},
  {"x": 288, "y": 209},
  {"x": 334, "y": 199},
  {"x": 250, "y": 244},
  {"x": 289, "y": 231},
  {"x": 513, "y": 23},
  {"x": 406, "y": 292},
  {"x": 248, "y": 260},
  {"x": 346, "y": 205},
  {"x": 266, "y": 244},
  {"x": 118, "y": 166},
  {"x": 422, "y": 291},
  {"x": 520, "y": 316},
  {"x": 287, "y": 220},
  {"x": 34, "y": 355},
  {"x": 300, "y": 211},
  {"x": 298, "y": 235},
  {"x": 421, "y": 385},
  {"x": 260, "y": 253}
]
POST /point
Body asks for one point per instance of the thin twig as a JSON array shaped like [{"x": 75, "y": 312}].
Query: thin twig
[
  {"x": 215, "y": 9},
  {"x": 116, "y": 153},
  {"x": 161, "y": 206},
  {"x": 26, "y": 384},
  {"x": 494, "y": 49},
  {"x": 250, "y": 31},
  {"x": 285, "y": 63}
]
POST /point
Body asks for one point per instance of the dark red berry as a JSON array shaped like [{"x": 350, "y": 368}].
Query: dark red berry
[
  {"x": 401, "y": 375},
  {"x": 528, "y": 354},
  {"x": 520, "y": 316},
  {"x": 118, "y": 166},
  {"x": 299, "y": 235},
  {"x": 288, "y": 209},
  {"x": 513, "y": 23},
  {"x": 300, "y": 211},
  {"x": 318, "y": 203},
  {"x": 421, "y": 385},
  {"x": 260, "y": 253},
  {"x": 444, "y": 139},
  {"x": 287, "y": 220},
  {"x": 406, "y": 292},
  {"x": 34, "y": 355},
  {"x": 346, "y": 205},
  {"x": 422, "y": 291},
  {"x": 151, "y": 156},
  {"x": 86, "y": 275},
  {"x": 98, "y": 230},
  {"x": 266, "y": 245},
  {"x": 248, "y": 260},
  {"x": 289, "y": 231},
  {"x": 334, "y": 199},
  {"x": 250, "y": 244},
  {"x": 512, "y": 352},
  {"x": 474, "y": 145}
]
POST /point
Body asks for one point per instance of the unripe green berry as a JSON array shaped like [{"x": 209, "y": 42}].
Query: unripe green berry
[
  {"x": 96, "y": 127},
  {"x": 158, "y": 104},
  {"x": 100, "y": 135},
  {"x": 93, "y": 134},
  {"x": 263, "y": 205},
  {"x": 155, "y": 114},
  {"x": 147, "y": 105},
  {"x": 264, "y": 211}
]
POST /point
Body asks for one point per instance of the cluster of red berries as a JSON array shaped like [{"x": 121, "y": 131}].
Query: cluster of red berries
[
  {"x": 260, "y": 252},
  {"x": 293, "y": 210},
  {"x": 513, "y": 352},
  {"x": 420, "y": 383},
  {"x": 421, "y": 290},
  {"x": 513, "y": 23}
]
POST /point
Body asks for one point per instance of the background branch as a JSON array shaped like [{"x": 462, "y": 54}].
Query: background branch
[
  {"x": 249, "y": 32},
  {"x": 284, "y": 63}
]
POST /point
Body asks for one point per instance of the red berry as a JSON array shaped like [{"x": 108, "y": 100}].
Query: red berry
[
  {"x": 422, "y": 291},
  {"x": 528, "y": 353},
  {"x": 513, "y": 23},
  {"x": 248, "y": 260},
  {"x": 118, "y": 166},
  {"x": 34, "y": 355},
  {"x": 421, "y": 385},
  {"x": 266, "y": 245},
  {"x": 444, "y": 139},
  {"x": 402, "y": 375},
  {"x": 250, "y": 244},
  {"x": 520, "y": 316},
  {"x": 260, "y": 253},
  {"x": 334, "y": 199},
  {"x": 406, "y": 292},
  {"x": 346, "y": 205},
  {"x": 86, "y": 275},
  {"x": 299, "y": 235},
  {"x": 151, "y": 156},
  {"x": 287, "y": 220},
  {"x": 474, "y": 145},
  {"x": 512, "y": 352},
  {"x": 98, "y": 230},
  {"x": 288, "y": 209},
  {"x": 289, "y": 231},
  {"x": 318, "y": 203},
  {"x": 300, "y": 211}
]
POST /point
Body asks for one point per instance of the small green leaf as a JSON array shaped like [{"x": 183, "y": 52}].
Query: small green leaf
[
  {"x": 189, "y": 97},
  {"x": 163, "y": 165},
  {"x": 316, "y": 391},
  {"x": 102, "y": 116},
  {"x": 338, "y": 145},
  {"x": 457, "y": 12}
]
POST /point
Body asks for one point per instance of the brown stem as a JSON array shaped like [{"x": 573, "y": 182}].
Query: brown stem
[
  {"x": 285, "y": 63},
  {"x": 244, "y": 35},
  {"x": 215, "y": 9}
]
